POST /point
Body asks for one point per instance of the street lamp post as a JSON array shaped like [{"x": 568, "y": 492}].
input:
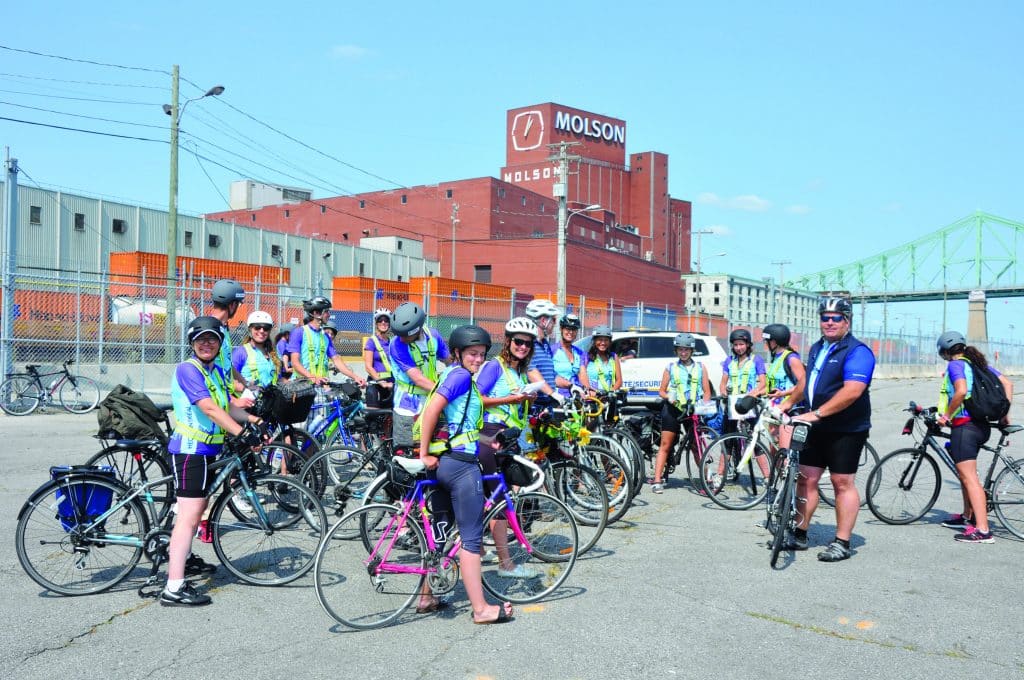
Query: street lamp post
[
  {"x": 175, "y": 113},
  {"x": 563, "y": 224}
]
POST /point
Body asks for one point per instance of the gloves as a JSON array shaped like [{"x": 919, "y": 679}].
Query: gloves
[
  {"x": 557, "y": 396},
  {"x": 249, "y": 437}
]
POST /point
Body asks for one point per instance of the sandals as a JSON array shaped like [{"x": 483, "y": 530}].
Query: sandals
[
  {"x": 503, "y": 616},
  {"x": 435, "y": 605}
]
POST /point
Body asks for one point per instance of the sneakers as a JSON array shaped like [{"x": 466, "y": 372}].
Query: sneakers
[
  {"x": 489, "y": 557},
  {"x": 658, "y": 487},
  {"x": 241, "y": 503},
  {"x": 197, "y": 566},
  {"x": 957, "y": 522},
  {"x": 715, "y": 481},
  {"x": 519, "y": 572},
  {"x": 794, "y": 542},
  {"x": 974, "y": 535},
  {"x": 186, "y": 596},
  {"x": 835, "y": 552}
]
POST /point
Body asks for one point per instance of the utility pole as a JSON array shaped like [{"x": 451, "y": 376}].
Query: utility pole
[
  {"x": 10, "y": 224},
  {"x": 697, "y": 295},
  {"x": 455, "y": 220},
  {"x": 780, "y": 291},
  {"x": 560, "y": 191},
  {"x": 172, "y": 224}
]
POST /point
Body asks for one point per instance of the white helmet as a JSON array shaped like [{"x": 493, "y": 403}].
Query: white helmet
[
  {"x": 538, "y": 308},
  {"x": 383, "y": 311},
  {"x": 259, "y": 317},
  {"x": 523, "y": 325}
]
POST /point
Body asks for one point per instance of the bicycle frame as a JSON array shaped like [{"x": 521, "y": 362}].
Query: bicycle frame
[
  {"x": 929, "y": 442},
  {"x": 333, "y": 423}
]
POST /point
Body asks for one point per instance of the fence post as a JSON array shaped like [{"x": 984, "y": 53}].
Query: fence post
[
  {"x": 9, "y": 265},
  {"x": 78, "y": 319},
  {"x": 142, "y": 323},
  {"x": 103, "y": 319},
  {"x": 583, "y": 314},
  {"x": 472, "y": 302},
  {"x": 512, "y": 304},
  {"x": 259, "y": 291}
]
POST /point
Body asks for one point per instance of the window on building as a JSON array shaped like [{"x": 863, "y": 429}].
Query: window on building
[
  {"x": 287, "y": 213},
  {"x": 523, "y": 201},
  {"x": 583, "y": 232},
  {"x": 276, "y": 252},
  {"x": 298, "y": 255},
  {"x": 119, "y": 226},
  {"x": 717, "y": 302},
  {"x": 482, "y": 273},
  {"x": 188, "y": 239},
  {"x": 716, "y": 287},
  {"x": 448, "y": 193},
  {"x": 501, "y": 192},
  {"x": 35, "y": 214},
  {"x": 362, "y": 204},
  {"x": 79, "y": 222},
  {"x": 213, "y": 241},
  {"x": 543, "y": 208},
  {"x": 399, "y": 245},
  {"x": 323, "y": 209},
  {"x": 293, "y": 195},
  {"x": 252, "y": 217},
  {"x": 362, "y": 269},
  {"x": 405, "y": 199}
]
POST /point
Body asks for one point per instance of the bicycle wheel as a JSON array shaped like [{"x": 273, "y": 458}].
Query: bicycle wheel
[
  {"x": 615, "y": 475},
  {"x": 339, "y": 476},
  {"x": 784, "y": 513},
  {"x": 1008, "y": 498},
  {"x": 59, "y": 553},
  {"x": 698, "y": 445},
  {"x": 583, "y": 493},
  {"x": 283, "y": 551},
  {"x": 361, "y": 579},
  {"x": 79, "y": 394},
  {"x": 300, "y": 439},
  {"x": 867, "y": 463},
  {"x": 136, "y": 467},
  {"x": 725, "y": 485},
  {"x": 20, "y": 395},
  {"x": 632, "y": 449},
  {"x": 541, "y": 564},
  {"x": 903, "y": 486}
]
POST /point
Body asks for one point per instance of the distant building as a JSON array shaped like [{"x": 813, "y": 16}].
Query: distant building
[{"x": 751, "y": 302}]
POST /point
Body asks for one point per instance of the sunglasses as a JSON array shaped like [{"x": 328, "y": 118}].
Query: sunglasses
[
  {"x": 521, "y": 342},
  {"x": 834, "y": 318},
  {"x": 261, "y": 327}
]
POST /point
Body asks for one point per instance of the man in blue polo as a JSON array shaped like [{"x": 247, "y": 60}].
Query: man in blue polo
[
  {"x": 542, "y": 367},
  {"x": 839, "y": 370}
]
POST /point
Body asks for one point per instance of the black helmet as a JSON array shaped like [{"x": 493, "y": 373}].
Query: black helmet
[
  {"x": 329, "y": 326},
  {"x": 202, "y": 325},
  {"x": 227, "y": 291},
  {"x": 467, "y": 336},
  {"x": 836, "y": 305},
  {"x": 741, "y": 334},
  {"x": 949, "y": 340},
  {"x": 408, "y": 319},
  {"x": 777, "y": 333},
  {"x": 570, "y": 321},
  {"x": 316, "y": 304}
]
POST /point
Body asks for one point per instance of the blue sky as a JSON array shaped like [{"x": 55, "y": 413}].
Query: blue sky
[{"x": 813, "y": 132}]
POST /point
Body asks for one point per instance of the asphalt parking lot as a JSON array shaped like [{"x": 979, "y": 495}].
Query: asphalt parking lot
[{"x": 678, "y": 589}]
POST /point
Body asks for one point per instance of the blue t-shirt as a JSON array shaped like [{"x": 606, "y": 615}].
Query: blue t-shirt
[
  {"x": 188, "y": 388},
  {"x": 403, "y": 361},
  {"x": 859, "y": 367},
  {"x": 962, "y": 370},
  {"x": 457, "y": 387},
  {"x": 371, "y": 346}
]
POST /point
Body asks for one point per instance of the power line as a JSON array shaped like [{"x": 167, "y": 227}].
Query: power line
[
  {"x": 82, "y": 99},
  {"x": 84, "y": 61},
  {"x": 82, "y": 82},
  {"x": 80, "y": 115},
  {"x": 90, "y": 132}
]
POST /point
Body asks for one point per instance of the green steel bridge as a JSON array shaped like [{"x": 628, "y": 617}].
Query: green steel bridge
[{"x": 978, "y": 252}]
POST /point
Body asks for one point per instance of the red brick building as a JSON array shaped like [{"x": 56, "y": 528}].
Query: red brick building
[{"x": 505, "y": 230}]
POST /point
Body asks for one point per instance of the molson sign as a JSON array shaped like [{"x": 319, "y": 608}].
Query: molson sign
[{"x": 590, "y": 127}]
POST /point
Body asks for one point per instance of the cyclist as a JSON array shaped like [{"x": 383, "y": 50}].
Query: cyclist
[
  {"x": 256, "y": 360},
  {"x": 377, "y": 361},
  {"x": 414, "y": 355},
  {"x": 199, "y": 391},
  {"x": 330, "y": 330},
  {"x": 742, "y": 373},
  {"x": 227, "y": 295},
  {"x": 570, "y": 361},
  {"x": 312, "y": 349},
  {"x": 542, "y": 365},
  {"x": 501, "y": 381},
  {"x": 683, "y": 384},
  {"x": 966, "y": 435},
  {"x": 785, "y": 376},
  {"x": 456, "y": 464},
  {"x": 281, "y": 345},
  {"x": 603, "y": 368},
  {"x": 838, "y": 384}
]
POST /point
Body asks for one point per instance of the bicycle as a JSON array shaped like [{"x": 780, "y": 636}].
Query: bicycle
[
  {"x": 23, "y": 393},
  {"x": 373, "y": 562},
  {"x": 783, "y": 517},
  {"x": 84, "y": 531},
  {"x": 905, "y": 484}
]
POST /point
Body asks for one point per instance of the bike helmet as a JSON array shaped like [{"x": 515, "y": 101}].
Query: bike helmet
[
  {"x": 538, "y": 308},
  {"x": 377, "y": 313},
  {"x": 601, "y": 332},
  {"x": 777, "y": 333},
  {"x": 740, "y": 334},
  {"x": 227, "y": 291},
  {"x": 950, "y": 339},
  {"x": 329, "y": 326},
  {"x": 259, "y": 317},
  {"x": 523, "y": 325},
  {"x": 202, "y": 325},
  {"x": 836, "y": 305},
  {"x": 684, "y": 340},
  {"x": 570, "y": 321},
  {"x": 316, "y": 304},
  {"x": 286, "y": 328},
  {"x": 468, "y": 336},
  {"x": 408, "y": 319}
]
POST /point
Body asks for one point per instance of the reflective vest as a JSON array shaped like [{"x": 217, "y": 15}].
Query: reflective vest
[
  {"x": 777, "y": 377},
  {"x": 512, "y": 415},
  {"x": 259, "y": 368},
  {"x": 426, "y": 366},
  {"x": 741, "y": 377},
  {"x": 314, "y": 352},
  {"x": 190, "y": 421},
  {"x": 460, "y": 416},
  {"x": 947, "y": 389},
  {"x": 688, "y": 389},
  {"x": 384, "y": 358},
  {"x": 603, "y": 372}
]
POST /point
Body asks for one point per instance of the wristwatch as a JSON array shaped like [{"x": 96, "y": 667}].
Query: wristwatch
[{"x": 817, "y": 412}]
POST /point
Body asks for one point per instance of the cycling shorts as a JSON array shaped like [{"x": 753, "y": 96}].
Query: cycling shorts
[
  {"x": 192, "y": 476},
  {"x": 839, "y": 452},
  {"x": 965, "y": 440}
]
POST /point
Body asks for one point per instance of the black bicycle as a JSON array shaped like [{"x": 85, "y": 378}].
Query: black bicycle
[
  {"x": 23, "y": 393},
  {"x": 782, "y": 513}
]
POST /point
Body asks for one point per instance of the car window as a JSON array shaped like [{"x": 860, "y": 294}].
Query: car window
[
  {"x": 700, "y": 348},
  {"x": 624, "y": 346},
  {"x": 661, "y": 347}
]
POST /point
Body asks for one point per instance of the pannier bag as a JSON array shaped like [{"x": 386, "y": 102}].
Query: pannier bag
[
  {"x": 86, "y": 502},
  {"x": 131, "y": 415}
]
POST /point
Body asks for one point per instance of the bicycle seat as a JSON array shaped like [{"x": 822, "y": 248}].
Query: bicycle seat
[
  {"x": 1010, "y": 429},
  {"x": 133, "y": 444},
  {"x": 370, "y": 412},
  {"x": 413, "y": 466},
  {"x": 32, "y": 367}
]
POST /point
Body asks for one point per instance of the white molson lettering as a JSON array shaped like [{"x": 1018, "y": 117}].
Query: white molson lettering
[
  {"x": 528, "y": 175},
  {"x": 581, "y": 125}
]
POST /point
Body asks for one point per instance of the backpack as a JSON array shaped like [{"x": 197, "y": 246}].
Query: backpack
[
  {"x": 132, "y": 415},
  {"x": 988, "y": 401}
]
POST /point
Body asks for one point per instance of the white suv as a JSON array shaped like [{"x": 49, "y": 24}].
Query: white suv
[{"x": 651, "y": 352}]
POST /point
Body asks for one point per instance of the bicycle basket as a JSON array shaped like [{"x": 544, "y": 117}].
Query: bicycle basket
[
  {"x": 291, "y": 401},
  {"x": 515, "y": 473},
  {"x": 400, "y": 482},
  {"x": 87, "y": 501}
]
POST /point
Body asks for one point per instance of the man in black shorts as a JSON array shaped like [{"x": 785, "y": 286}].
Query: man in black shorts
[{"x": 839, "y": 370}]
